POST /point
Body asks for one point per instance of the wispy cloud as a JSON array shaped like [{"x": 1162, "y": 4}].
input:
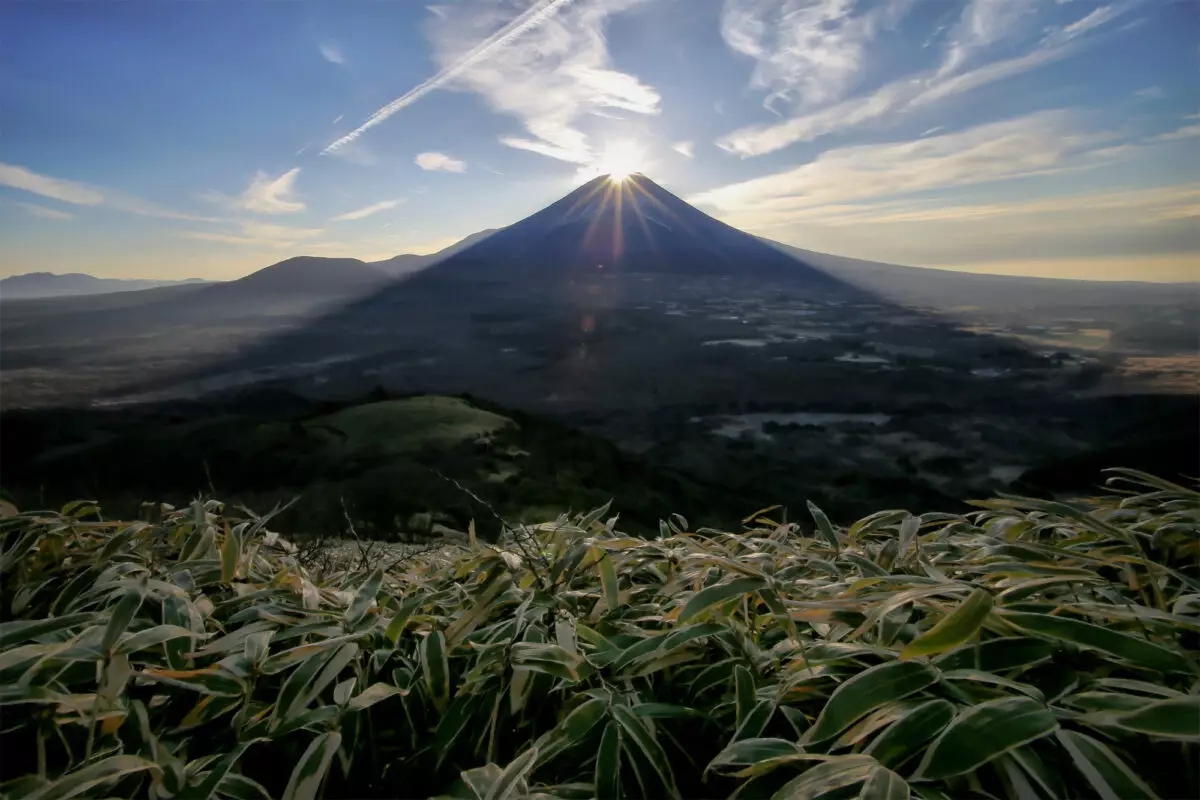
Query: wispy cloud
[
  {"x": 983, "y": 27},
  {"x": 82, "y": 194},
  {"x": 45, "y": 213},
  {"x": 983, "y": 24},
  {"x": 439, "y": 162},
  {"x": 367, "y": 210},
  {"x": 55, "y": 188},
  {"x": 806, "y": 51},
  {"x": 558, "y": 72},
  {"x": 685, "y": 149},
  {"x": 331, "y": 53},
  {"x": 463, "y": 56},
  {"x": 258, "y": 234},
  {"x": 1151, "y": 205},
  {"x": 1150, "y": 93},
  {"x": 1186, "y": 132},
  {"x": 1039, "y": 143},
  {"x": 265, "y": 195}
]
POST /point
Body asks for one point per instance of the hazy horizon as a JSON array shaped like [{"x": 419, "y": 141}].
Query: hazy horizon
[{"x": 172, "y": 141}]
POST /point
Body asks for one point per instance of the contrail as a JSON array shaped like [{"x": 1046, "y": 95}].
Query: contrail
[{"x": 530, "y": 19}]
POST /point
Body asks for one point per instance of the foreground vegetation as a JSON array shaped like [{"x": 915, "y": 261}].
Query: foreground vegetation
[{"x": 1028, "y": 650}]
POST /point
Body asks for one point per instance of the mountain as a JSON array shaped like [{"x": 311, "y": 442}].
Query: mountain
[
  {"x": 306, "y": 275},
  {"x": 408, "y": 263},
  {"x": 629, "y": 226},
  {"x": 47, "y": 284}
]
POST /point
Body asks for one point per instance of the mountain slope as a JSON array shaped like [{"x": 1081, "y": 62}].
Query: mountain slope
[
  {"x": 632, "y": 226},
  {"x": 407, "y": 263},
  {"x": 72, "y": 284},
  {"x": 308, "y": 275}
]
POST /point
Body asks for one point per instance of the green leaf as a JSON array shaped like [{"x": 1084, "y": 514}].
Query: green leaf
[
  {"x": 608, "y": 580},
  {"x": 231, "y": 552},
  {"x": 827, "y": 776},
  {"x": 1122, "y": 645},
  {"x": 470, "y": 619},
  {"x": 1177, "y": 718},
  {"x": 754, "y": 751},
  {"x": 867, "y": 691},
  {"x": 549, "y": 659},
  {"x": 824, "y": 526},
  {"x": 305, "y": 781},
  {"x": 743, "y": 684},
  {"x": 479, "y": 781},
  {"x": 998, "y": 655},
  {"x": 364, "y": 598},
  {"x": 19, "y": 631},
  {"x": 374, "y": 694},
  {"x": 87, "y": 778},
  {"x": 904, "y": 737},
  {"x": 1106, "y": 773},
  {"x": 608, "y": 764},
  {"x": 962, "y": 624},
  {"x": 510, "y": 780},
  {"x": 666, "y": 711},
  {"x": 396, "y": 627},
  {"x": 452, "y": 724},
  {"x": 217, "y": 773},
  {"x": 884, "y": 785},
  {"x": 122, "y": 615},
  {"x": 435, "y": 669},
  {"x": 635, "y": 732},
  {"x": 152, "y": 637},
  {"x": 756, "y": 721},
  {"x": 709, "y": 597},
  {"x": 573, "y": 729},
  {"x": 337, "y": 662},
  {"x": 984, "y": 732}
]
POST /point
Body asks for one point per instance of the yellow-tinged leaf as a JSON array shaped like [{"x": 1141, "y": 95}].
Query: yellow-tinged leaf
[{"x": 951, "y": 631}]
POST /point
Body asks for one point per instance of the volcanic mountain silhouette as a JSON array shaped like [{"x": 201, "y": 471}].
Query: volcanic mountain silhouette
[
  {"x": 561, "y": 275},
  {"x": 628, "y": 226}
]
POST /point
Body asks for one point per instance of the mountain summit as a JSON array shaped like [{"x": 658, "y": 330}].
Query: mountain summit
[{"x": 628, "y": 226}]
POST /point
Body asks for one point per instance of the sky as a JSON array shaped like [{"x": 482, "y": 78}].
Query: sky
[{"x": 169, "y": 139}]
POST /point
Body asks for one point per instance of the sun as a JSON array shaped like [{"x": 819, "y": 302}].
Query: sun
[{"x": 618, "y": 160}]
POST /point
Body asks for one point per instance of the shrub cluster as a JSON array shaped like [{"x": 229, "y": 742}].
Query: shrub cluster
[{"x": 1030, "y": 649}]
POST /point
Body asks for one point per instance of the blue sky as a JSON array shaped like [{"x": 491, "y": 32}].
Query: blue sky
[{"x": 211, "y": 138}]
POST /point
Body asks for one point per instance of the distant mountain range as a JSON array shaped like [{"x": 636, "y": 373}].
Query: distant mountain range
[
  {"x": 47, "y": 284},
  {"x": 301, "y": 275},
  {"x": 635, "y": 226}
]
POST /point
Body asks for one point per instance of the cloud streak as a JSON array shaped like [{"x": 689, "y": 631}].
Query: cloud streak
[
  {"x": 265, "y": 195},
  {"x": 1035, "y": 144},
  {"x": 331, "y": 53},
  {"x": 45, "y": 213},
  {"x": 983, "y": 25},
  {"x": 258, "y": 234},
  {"x": 82, "y": 194},
  {"x": 534, "y": 16},
  {"x": 806, "y": 51},
  {"x": 439, "y": 162},
  {"x": 367, "y": 211}
]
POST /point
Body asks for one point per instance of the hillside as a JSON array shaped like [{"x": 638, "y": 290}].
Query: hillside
[
  {"x": 453, "y": 457},
  {"x": 997, "y": 654},
  {"x": 408, "y": 263}
]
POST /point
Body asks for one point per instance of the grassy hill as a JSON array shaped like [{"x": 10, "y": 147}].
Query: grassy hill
[
  {"x": 391, "y": 466},
  {"x": 1029, "y": 649}
]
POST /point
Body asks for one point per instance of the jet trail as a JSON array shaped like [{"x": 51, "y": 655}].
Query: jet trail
[{"x": 530, "y": 19}]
